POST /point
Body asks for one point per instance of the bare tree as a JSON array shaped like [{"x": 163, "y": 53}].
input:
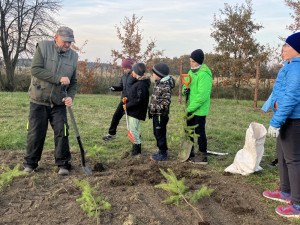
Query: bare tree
[
  {"x": 295, "y": 6},
  {"x": 23, "y": 22},
  {"x": 130, "y": 35},
  {"x": 234, "y": 36}
]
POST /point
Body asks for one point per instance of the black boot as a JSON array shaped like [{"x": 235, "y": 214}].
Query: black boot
[
  {"x": 140, "y": 148},
  {"x": 136, "y": 149},
  {"x": 274, "y": 163}
]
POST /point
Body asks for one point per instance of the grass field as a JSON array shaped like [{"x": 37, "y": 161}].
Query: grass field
[{"x": 227, "y": 123}]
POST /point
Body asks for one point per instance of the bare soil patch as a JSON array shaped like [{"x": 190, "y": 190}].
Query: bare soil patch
[{"x": 45, "y": 198}]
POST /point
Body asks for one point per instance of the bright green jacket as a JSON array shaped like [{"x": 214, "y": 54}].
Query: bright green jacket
[{"x": 200, "y": 88}]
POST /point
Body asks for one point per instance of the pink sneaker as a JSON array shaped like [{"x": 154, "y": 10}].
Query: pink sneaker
[
  {"x": 288, "y": 211},
  {"x": 277, "y": 196}
]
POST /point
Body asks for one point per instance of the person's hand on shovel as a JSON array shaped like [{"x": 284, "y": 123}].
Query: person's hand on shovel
[
  {"x": 124, "y": 100},
  {"x": 186, "y": 91},
  {"x": 68, "y": 101},
  {"x": 65, "y": 81}
]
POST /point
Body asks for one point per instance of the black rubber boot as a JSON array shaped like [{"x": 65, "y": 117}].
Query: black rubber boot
[{"x": 136, "y": 149}]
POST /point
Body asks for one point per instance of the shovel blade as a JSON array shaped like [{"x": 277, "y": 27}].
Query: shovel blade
[
  {"x": 184, "y": 154},
  {"x": 87, "y": 170},
  {"x": 131, "y": 138}
]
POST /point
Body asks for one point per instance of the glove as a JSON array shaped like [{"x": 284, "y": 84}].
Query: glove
[
  {"x": 273, "y": 131},
  {"x": 124, "y": 107},
  {"x": 186, "y": 91}
]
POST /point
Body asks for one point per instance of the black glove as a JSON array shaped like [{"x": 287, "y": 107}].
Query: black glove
[{"x": 186, "y": 91}]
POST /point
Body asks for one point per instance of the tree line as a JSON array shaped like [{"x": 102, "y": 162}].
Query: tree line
[{"x": 234, "y": 61}]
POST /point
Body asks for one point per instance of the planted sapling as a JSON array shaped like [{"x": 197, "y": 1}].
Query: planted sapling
[
  {"x": 90, "y": 203},
  {"x": 9, "y": 175},
  {"x": 181, "y": 191},
  {"x": 184, "y": 133}
]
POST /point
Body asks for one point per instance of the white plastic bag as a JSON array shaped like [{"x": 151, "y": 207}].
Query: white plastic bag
[{"x": 247, "y": 160}]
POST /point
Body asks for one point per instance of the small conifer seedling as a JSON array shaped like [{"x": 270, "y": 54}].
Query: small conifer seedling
[
  {"x": 181, "y": 191},
  {"x": 9, "y": 175},
  {"x": 90, "y": 203}
]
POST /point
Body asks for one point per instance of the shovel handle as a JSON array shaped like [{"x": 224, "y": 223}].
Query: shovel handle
[
  {"x": 184, "y": 81},
  {"x": 124, "y": 100}
]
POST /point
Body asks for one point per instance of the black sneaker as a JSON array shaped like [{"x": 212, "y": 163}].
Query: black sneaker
[
  {"x": 108, "y": 137},
  {"x": 274, "y": 163}
]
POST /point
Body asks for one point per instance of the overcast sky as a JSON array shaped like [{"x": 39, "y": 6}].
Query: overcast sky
[{"x": 179, "y": 27}]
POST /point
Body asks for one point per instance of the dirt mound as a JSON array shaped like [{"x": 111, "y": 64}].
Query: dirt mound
[{"x": 45, "y": 198}]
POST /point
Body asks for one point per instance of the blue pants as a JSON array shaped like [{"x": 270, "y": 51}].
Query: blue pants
[{"x": 37, "y": 130}]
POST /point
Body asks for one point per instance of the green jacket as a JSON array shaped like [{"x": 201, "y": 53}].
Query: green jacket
[
  {"x": 200, "y": 88},
  {"x": 47, "y": 68}
]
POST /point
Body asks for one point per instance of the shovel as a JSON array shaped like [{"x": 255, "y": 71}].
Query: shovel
[
  {"x": 217, "y": 153},
  {"x": 131, "y": 138},
  {"x": 85, "y": 168},
  {"x": 187, "y": 145}
]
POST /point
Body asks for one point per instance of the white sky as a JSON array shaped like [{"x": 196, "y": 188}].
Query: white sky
[{"x": 179, "y": 27}]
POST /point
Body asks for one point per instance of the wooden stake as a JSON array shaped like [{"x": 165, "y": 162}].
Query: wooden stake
[{"x": 256, "y": 84}]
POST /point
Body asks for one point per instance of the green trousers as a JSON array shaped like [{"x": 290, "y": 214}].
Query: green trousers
[{"x": 134, "y": 128}]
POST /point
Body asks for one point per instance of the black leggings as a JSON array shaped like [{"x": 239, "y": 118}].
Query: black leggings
[
  {"x": 200, "y": 130},
  {"x": 116, "y": 119}
]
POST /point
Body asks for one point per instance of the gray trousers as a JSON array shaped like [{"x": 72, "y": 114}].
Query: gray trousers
[
  {"x": 288, "y": 152},
  {"x": 37, "y": 129}
]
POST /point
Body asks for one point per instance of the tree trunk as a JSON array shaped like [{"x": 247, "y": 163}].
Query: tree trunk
[
  {"x": 10, "y": 75},
  {"x": 1, "y": 82},
  {"x": 217, "y": 89}
]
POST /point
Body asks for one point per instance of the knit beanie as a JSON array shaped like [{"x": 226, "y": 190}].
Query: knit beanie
[
  {"x": 139, "y": 68},
  {"x": 294, "y": 41},
  {"x": 198, "y": 56},
  {"x": 127, "y": 63},
  {"x": 161, "y": 69}
]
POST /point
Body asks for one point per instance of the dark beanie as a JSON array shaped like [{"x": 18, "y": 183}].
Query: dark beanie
[
  {"x": 161, "y": 70},
  {"x": 139, "y": 68},
  {"x": 198, "y": 56},
  {"x": 294, "y": 41},
  {"x": 127, "y": 63}
]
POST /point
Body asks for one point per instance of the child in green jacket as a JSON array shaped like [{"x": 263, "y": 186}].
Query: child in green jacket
[{"x": 199, "y": 100}]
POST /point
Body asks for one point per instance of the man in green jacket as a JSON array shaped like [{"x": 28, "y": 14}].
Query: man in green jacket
[
  {"x": 199, "y": 100},
  {"x": 53, "y": 69}
]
